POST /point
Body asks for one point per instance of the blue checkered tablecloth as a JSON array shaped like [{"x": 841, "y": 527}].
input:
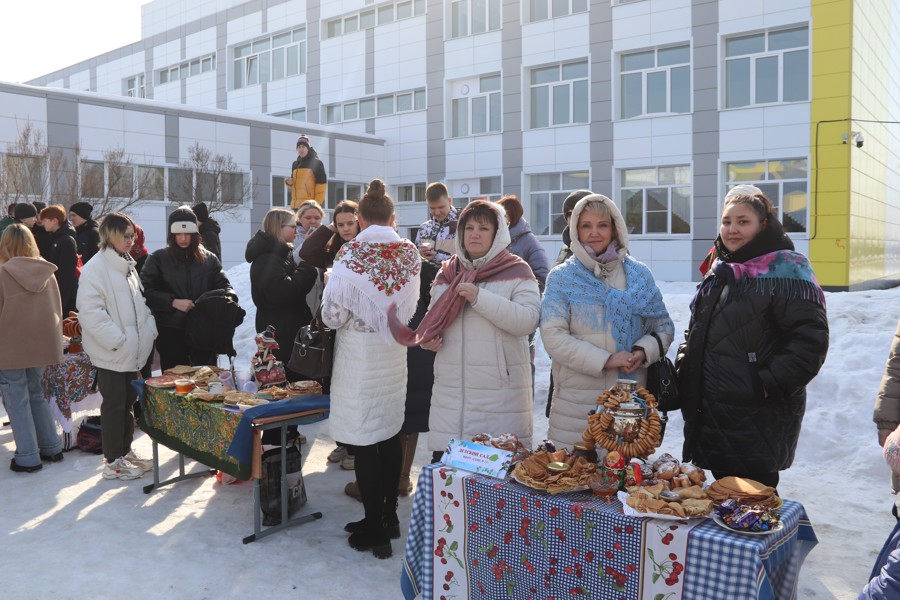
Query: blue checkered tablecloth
[{"x": 569, "y": 557}]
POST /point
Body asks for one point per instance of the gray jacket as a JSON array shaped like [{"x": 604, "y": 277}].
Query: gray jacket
[{"x": 524, "y": 245}]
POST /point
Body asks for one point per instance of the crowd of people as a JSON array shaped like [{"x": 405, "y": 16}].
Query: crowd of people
[{"x": 433, "y": 336}]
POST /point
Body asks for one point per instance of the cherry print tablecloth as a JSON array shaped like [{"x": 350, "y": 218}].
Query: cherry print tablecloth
[{"x": 472, "y": 537}]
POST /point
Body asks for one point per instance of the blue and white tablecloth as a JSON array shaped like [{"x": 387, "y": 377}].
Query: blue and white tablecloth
[{"x": 472, "y": 536}]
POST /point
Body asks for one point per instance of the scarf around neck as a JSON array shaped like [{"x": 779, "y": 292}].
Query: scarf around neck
[
  {"x": 574, "y": 292},
  {"x": 503, "y": 267},
  {"x": 768, "y": 264},
  {"x": 373, "y": 271}
]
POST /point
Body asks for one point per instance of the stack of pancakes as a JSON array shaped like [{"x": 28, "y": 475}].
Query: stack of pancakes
[{"x": 744, "y": 491}]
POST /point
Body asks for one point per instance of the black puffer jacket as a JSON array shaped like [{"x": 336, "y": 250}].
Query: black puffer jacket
[
  {"x": 61, "y": 250},
  {"x": 748, "y": 354},
  {"x": 209, "y": 232},
  {"x": 168, "y": 275},
  {"x": 279, "y": 290},
  {"x": 420, "y": 362},
  {"x": 87, "y": 236}
]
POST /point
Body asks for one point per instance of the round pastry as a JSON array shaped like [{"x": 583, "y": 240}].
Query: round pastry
[
  {"x": 482, "y": 438},
  {"x": 667, "y": 470}
]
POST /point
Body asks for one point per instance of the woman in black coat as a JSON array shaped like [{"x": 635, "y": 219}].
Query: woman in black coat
[
  {"x": 61, "y": 250},
  {"x": 758, "y": 334},
  {"x": 279, "y": 288},
  {"x": 174, "y": 277}
]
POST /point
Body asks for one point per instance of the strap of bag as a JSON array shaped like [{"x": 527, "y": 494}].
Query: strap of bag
[
  {"x": 662, "y": 354},
  {"x": 663, "y": 415}
]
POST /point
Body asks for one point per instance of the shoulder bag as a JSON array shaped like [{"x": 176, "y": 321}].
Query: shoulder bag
[
  {"x": 313, "y": 352},
  {"x": 661, "y": 383}
]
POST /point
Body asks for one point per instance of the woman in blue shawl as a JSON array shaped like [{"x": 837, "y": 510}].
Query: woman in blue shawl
[{"x": 599, "y": 310}]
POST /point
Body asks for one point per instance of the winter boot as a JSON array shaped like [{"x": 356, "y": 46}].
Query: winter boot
[
  {"x": 374, "y": 537},
  {"x": 408, "y": 443},
  {"x": 390, "y": 519}
]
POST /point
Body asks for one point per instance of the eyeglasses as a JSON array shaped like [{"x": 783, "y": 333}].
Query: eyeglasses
[
  {"x": 129, "y": 238},
  {"x": 289, "y": 226}
]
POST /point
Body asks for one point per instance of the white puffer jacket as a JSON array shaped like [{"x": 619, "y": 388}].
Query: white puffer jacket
[
  {"x": 580, "y": 351},
  {"x": 482, "y": 373},
  {"x": 117, "y": 328}
]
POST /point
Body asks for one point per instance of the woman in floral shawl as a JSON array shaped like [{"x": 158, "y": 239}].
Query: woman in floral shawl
[
  {"x": 758, "y": 334},
  {"x": 368, "y": 385}
]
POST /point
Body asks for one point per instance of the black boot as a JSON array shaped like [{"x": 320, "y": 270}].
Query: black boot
[
  {"x": 374, "y": 537},
  {"x": 390, "y": 520}
]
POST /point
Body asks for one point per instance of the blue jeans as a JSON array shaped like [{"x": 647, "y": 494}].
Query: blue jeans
[{"x": 33, "y": 425}]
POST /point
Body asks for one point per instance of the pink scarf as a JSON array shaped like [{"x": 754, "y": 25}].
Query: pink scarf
[{"x": 503, "y": 267}]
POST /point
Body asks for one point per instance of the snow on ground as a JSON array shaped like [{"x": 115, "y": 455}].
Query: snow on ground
[{"x": 67, "y": 533}]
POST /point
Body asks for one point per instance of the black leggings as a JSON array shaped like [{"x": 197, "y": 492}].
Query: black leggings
[
  {"x": 174, "y": 350},
  {"x": 377, "y": 469}
]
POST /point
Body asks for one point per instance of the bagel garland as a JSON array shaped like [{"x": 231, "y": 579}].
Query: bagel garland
[{"x": 600, "y": 430}]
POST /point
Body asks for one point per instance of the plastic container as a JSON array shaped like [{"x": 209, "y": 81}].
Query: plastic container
[{"x": 184, "y": 386}]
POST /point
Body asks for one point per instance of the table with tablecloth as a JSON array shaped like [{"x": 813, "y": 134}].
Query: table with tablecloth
[
  {"x": 70, "y": 390},
  {"x": 473, "y": 536}
]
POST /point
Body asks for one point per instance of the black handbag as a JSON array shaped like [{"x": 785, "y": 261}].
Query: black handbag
[
  {"x": 661, "y": 380},
  {"x": 313, "y": 352}
]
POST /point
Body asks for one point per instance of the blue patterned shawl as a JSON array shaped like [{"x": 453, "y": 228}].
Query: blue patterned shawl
[{"x": 573, "y": 293}]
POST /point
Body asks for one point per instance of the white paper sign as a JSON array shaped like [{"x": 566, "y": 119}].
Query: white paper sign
[{"x": 477, "y": 458}]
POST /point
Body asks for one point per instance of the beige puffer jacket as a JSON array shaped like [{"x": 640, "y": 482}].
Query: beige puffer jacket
[
  {"x": 579, "y": 351},
  {"x": 887, "y": 402},
  {"x": 482, "y": 373}
]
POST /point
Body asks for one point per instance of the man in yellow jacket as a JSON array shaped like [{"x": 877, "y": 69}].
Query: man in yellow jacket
[{"x": 308, "y": 180}]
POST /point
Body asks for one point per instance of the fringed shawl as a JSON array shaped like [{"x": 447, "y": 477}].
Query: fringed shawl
[
  {"x": 783, "y": 272},
  {"x": 574, "y": 292},
  {"x": 373, "y": 271}
]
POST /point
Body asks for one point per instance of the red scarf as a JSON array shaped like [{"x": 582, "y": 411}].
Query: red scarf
[{"x": 503, "y": 267}]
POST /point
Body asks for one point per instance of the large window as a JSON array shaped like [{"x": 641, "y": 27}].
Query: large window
[
  {"x": 371, "y": 17},
  {"x": 295, "y": 115},
  {"x": 338, "y": 191},
  {"x": 93, "y": 182},
  {"x": 541, "y": 10},
  {"x": 367, "y": 108},
  {"x": 184, "y": 70},
  {"x": 181, "y": 185},
  {"x": 413, "y": 192},
  {"x": 135, "y": 88},
  {"x": 547, "y": 192},
  {"x": 270, "y": 58},
  {"x": 477, "y": 109},
  {"x": 764, "y": 68},
  {"x": 657, "y": 200},
  {"x": 121, "y": 181},
  {"x": 656, "y": 81},
  {"x": 151, "y": 183},
  {"x": 559, "y": 94},
  {"x": 784, "y": 181},
  {"x": 468, "y": 17}
]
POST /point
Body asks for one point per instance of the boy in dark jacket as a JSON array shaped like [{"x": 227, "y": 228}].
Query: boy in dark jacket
[
  {"x": 209, "y": 229},
  {"x": 62, "y": 252},
  {"x": 87, "y": 231}
]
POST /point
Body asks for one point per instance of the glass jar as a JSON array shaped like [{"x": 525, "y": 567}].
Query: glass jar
[{"x": 589, "y": 455}]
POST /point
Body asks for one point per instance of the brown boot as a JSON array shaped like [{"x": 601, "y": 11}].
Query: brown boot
[
  {"x": 352, "y": 490},
  {"x": 408, "y": 442}
]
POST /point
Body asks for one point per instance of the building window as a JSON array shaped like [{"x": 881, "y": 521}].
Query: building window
[
  {"x": 135, "y": 88},
  {"x": 151, "y": 183},
  {"x": 484, "y": 188},
  {"x": 657, "y": 200},
  {"x": 656, "y": 81},
  {"x": 281, "y": 194},
  {"x": 93, "y": 184},
  {"x": 121, "y": 181},
  {"x": 547, "y": 192},
  {"x": 181, "y": 185},
  {"x": 369, "y": 18},
  {"x": 784, "y": 181},
  {"x": 559, "y": 94},
  {"x": 270, "y": 58},
  {"x": 295, "y": 115},
  {"x": 476, "y": 110},
  {"x": 413, "y": 192},
  {"x": 338, "y": 191},
  {"x": 182, "y": 70},
  {"x": 473, "y": 16},
  {"x": 367, "y": 108},
  {"x": 541, "y": 10},
  {"x": 765, "y": 68}
]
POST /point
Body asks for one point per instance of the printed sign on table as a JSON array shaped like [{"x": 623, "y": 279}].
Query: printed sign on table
[{"x": 477, "y": 458}]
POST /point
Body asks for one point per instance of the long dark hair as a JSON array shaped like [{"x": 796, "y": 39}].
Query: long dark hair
[
  {"x": 346, "y": 206},
  {"x": 193, "y": 250}
]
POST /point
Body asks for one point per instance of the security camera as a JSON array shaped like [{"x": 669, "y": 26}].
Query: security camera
[{"x": 859, "y": 140}]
